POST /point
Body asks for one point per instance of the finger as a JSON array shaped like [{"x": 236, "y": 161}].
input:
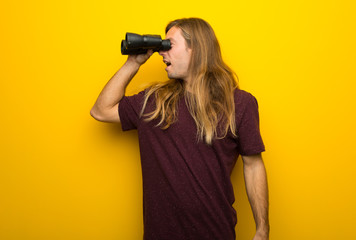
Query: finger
[{"x": 150, "y": 52}]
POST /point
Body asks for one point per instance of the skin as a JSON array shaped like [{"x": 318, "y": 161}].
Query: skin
[
  {"x": 178, "y": 56},
  {"x": 106, "y": 107},
  {"x": 257, "y": 193}
]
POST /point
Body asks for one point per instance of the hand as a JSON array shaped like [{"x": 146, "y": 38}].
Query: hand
[{"x": 140, "y": 58}]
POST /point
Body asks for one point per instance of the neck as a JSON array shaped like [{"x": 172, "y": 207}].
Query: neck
[{"x": 187, "y": 85}]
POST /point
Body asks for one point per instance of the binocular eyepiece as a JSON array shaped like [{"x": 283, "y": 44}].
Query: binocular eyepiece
[{"x": 139, "y": 44}]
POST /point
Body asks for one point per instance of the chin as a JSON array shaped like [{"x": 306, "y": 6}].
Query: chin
[{"x": 174, "y": 76}]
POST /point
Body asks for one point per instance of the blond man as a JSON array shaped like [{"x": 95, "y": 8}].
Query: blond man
[{"x": 191, "y": 130}]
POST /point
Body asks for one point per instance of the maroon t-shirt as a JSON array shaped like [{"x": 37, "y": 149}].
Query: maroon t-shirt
[{"x": 187, "y": 191}]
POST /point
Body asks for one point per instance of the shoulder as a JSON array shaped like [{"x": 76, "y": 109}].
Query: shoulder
[
  {"x": 138, "y": 96},
  {"x": 246, "y": 106},
  {"x": 244, "y": 98},
  {"x": 134, "y": 101}
]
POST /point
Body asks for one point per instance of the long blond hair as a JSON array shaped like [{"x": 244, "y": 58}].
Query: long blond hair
[{"x": 211, "y": 98}]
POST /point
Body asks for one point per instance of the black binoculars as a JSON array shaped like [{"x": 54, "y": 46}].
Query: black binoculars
[{"x": 139, "y": 44}]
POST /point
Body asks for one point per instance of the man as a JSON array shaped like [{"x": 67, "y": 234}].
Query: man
[{"x": 191, "y": 130}]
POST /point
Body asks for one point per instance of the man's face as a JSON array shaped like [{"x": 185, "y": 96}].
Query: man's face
[{"x": 177, "y": 58}]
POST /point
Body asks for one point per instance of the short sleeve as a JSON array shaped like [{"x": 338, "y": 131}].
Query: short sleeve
[
  {"x": 129, "y": 111},
  {"x": 248, "y": 130}
]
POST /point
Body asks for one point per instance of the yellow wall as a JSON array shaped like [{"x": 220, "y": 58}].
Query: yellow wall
[{"x": 65, "y": 176}]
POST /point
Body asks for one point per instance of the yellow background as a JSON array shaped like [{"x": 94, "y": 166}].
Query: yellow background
[{"x": 65, "y": 176}]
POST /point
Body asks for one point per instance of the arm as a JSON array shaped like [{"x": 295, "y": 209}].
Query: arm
[
  {"x": 257, "y": 192},
  {"x": 106, "y": 106}
]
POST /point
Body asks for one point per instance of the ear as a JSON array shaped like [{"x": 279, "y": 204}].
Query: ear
[{"x": 189, "y": 50}]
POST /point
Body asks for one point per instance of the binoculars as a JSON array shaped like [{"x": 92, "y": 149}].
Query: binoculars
[{"x": 139, "y": 44}]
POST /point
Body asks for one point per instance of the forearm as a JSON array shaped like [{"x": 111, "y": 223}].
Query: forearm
[
  {"x": 114, "y": 90},
  {"x": 257, "y": 192},
  {"x": 106, "y": 106}
]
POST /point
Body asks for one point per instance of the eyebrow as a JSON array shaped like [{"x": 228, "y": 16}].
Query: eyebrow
[{"x": 171, "y": 39}]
